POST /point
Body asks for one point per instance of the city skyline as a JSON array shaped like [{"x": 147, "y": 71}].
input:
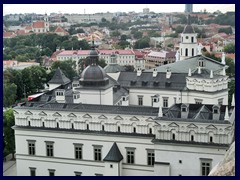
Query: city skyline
[{"x": 98, "y": 8}]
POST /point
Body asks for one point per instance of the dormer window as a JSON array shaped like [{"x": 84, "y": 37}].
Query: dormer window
[
  {"x": 215, "y": 111},
  {"x": 184, "y": 109},
  {"x": 59, "y": 93}
]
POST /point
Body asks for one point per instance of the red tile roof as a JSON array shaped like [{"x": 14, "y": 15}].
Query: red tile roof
[
  {"x": 28, "y": 28},
  {"x": 38, "y": 24},
  {"x": 219, "y": 55},
  {"x": 59, "y": 29},
  {"x": 9, "y": 34}
]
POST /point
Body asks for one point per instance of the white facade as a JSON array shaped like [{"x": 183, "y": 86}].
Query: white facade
[{"x": 168, "y": 160}]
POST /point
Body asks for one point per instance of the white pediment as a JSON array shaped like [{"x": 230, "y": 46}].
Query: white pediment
[
  {"x": 102, "y": 117},
  {"x": 28, "y": 113},
  {"x": 42, "y": 114},
  {"x": 87, "y": 116},
  {"x": 192, "y": 126},
  {"x": 173, "y": 125},
  {"x": 57, "y": 114},
  {"x": 134, "y": 118},
  {"x": 118, "y": 118},
  {"x": 72, "y": 115},
  {"x": 211, "y": 127}
]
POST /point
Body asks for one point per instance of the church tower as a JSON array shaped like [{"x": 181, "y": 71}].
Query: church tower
[
  {"x": 188, "y": 45},
  {"x": 46, "y": 22}
]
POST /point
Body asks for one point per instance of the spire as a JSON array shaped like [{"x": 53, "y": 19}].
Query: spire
[
  {"x": 223, "y": 58},
  {"x": 226, "y": 117},
  {"x": 199, "y": 70},
  {"x": 233, "y": 100},
  {"x": 160, "y": 113},
  {"x": 188, "y": 20},
  {"x": 189, "y": 72},
  {"x": 211, "y": 74},
  {"x": 114, "y": 154}
]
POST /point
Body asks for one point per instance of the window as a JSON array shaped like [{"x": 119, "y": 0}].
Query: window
[
  {"x": 186, "y": 37},
  {"x": 192, "y": 138},
  {"x": 78, "y": 151},
  {"x": 165, "y": 102},
  {"x": 134, "y": 130},
  {"x": 78, "y": 173},
  {"x": 150, "y": 157},
  {"x": 186, "y": 52},
  {"x": 192, "y": 51},
  {"x": 49, "y": 148},
  {"x": 180, "y": 161},
  {"x": 211, "y": 139},
  {"x": 150, "y": 130},
  {"x": 192, "y": 38},
  {"x": 97, "y": 153},
  {"x": 215, "y": 111},
  {"x": 130, "y": 155},
  {"x": 32, "y": 171},
  {"x": 102, "y": 127},
  {"x": 87, "y": 126},
  {"x": 111, "y": 166},
  {"x": 198, "y": 101},
  {"x": 119, "y": 129},
  {"x": 175, "y": 100},
  {"x": 220, "y": 101},
  {"x": 184, "y": 109},
  {"x": 173, "y": 136},
  {"x": 51, "y": 172},
  {"x": 31, "y": 147},
  {"x": 140, "y": 100},
  {"x": 205, "y": 167}
]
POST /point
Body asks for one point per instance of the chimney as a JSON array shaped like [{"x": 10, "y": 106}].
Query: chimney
[
  {"x": 216, "y": 112},
  {"x": 139, "y": 72},
  {"x": 233, "y": 100},
  {"x": 223, "y": 58},
  {"x": 189, "y": 72},
  {"x": 211, "y": 74},
  {"x": 226, "y": 117},
  {"x": 199, "y": 70},
  {"x": 155, "y": 72},
  {"x": 168, "y": 74}
]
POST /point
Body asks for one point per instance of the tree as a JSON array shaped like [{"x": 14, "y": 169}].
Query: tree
[
  {"x": 229, "y": 48},
  {"x": 67, "y": 67},
  {"x": 142, "y": 43},
  {"x": 9, "y": 138},
  {"x": 102, "y": 63},
  {"x": 137, "y": 35},
  {"x": 9, "y": 94},
  {"x": 225, "y": 30},
  {"x": 123, "y": 37},
  {"x": 129, "y": 68}
]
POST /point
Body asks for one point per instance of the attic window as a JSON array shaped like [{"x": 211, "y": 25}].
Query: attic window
[
  {"x": 215, "y": 111},
  {"x": 184, "y": 109}
]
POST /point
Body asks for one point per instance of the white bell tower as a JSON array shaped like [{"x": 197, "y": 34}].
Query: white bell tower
[{"x": 188, "y": 45}]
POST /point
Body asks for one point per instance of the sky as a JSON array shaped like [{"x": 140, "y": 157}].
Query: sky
[{"x": 94, "y": 8}]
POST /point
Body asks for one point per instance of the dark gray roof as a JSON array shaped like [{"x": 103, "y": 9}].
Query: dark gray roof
[
  {"x": 88, "y": 108},
  {"x": 177, "y": 81},
  {"x": 59, "y": 78},
  {"x": 117, "y": 95},
  {"x": 188, "y": 29},
  {"x": 113, "y": 68},
  {"x": 114, "y": 155},
  {"x": 205, "y": 74},
  {"x": 93, "y": 73},
  {"x": 195, "y": 112},
  {"x": 192, "y": 63}
]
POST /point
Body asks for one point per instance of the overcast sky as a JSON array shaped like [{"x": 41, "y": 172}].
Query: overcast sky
[{"x": 94, "y": 8}]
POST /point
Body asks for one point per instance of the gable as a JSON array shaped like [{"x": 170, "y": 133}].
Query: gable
[
  {"x": 211, "y": 127},
  {"x": 15, "y": 112},
  {"x": 87, "y": 116},
  {"x": 118, "y": 118},
  {"x": 28, "y": 113},
  {"x": 72, "y": 115},
  {"x": 42, "y": 114},
  {"x": 134, "y": 118},
  {"x": 150, "y": 119},
  {"x": 57, "y": 114},
  {"x": 102, "y": 117},
  {"x": 229, "y": 128},
  {"x": 173, "y": 125},
  {"x": 192, "y": 126}
]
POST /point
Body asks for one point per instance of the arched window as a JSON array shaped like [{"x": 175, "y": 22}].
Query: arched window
[
  {"x": 150, "y": 130},
  {"x": 57, "y": 125},
  {"x": 72, "y": 126},
  {"x": 211, "y": 139},
  {"x": 103, "y": 128},
  {"x": 173, "y": 137},
  {"x": 29, "y": 123},
  {"x": 192, "y": 137},
  {"x": 134, "y": 130},
  {"x": 186, "y": 52},
  {"x": 87, "y": 126},
  {"x": 192, "y": 51},
  {"x": 192, "y": 39},
  {"x": 119, "y": 129}
]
